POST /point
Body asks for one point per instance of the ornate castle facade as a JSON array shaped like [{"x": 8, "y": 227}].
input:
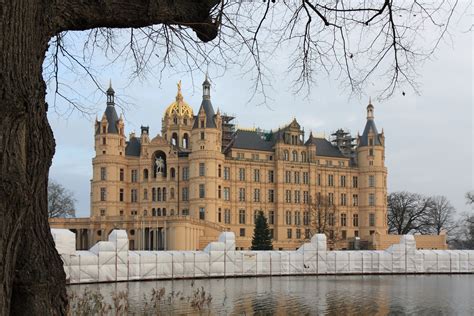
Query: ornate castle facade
[{"x": 201, "y": 176}]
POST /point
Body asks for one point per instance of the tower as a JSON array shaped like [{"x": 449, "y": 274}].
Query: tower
[
  {"x": 372, "y": 178},
  {"x": 206, "y": 161},
  {"x": 109, "y": 158},
  {"x": 177, "y": 122}
]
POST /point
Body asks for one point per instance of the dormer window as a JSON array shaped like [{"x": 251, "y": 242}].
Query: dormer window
[
  {"x": 104, "y": 129},
  {"x": 202, "y": 123},
  {"x": 371, "y": 142}
]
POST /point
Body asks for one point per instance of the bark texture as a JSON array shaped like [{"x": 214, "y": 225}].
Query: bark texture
[{"x": 31, "y": 273}]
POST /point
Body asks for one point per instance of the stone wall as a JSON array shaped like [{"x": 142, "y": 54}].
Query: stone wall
[{"x": 109, "y": 261}]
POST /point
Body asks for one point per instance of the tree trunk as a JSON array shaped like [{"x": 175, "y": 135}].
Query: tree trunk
[{"x": 31, "y": 272}]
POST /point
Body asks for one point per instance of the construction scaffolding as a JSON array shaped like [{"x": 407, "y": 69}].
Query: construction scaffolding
[
  {"x": 228, "y": 129},
  {"x": 345, "y": 142}
]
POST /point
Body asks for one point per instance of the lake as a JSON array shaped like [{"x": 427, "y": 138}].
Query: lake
[{"x": 298, "y": 295}]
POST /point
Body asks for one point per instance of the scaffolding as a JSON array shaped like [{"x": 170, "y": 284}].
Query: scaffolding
[
  {"x": 228, "y": 129},
  {"x": 345, "y": 142}
]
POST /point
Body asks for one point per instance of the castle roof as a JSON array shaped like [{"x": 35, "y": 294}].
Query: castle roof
[
  {"x": 324, "y": 147},
  {"x": 179, "y": 107},
  {"x": 133, "y": 147},
  {"x": 253, "y": 140},
  {"x": 112, "y": 119}
]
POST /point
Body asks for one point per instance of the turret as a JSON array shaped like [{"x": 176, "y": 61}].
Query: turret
[{"x": 372, "y": 178}]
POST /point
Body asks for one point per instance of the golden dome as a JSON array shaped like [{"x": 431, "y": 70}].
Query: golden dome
[{"x": 179, "y": 108}]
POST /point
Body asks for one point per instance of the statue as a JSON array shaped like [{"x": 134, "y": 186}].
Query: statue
[{"x": 160, "y": 166}]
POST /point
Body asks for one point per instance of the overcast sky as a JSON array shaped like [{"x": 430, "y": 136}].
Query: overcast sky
[{"x": 429, "y": 137}]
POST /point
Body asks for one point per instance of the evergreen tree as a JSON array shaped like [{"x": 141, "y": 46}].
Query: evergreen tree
[{"x": 261, "y": 234}]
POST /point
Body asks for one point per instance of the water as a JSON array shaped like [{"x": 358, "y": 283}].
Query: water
[{"x": 308, "y": 295}]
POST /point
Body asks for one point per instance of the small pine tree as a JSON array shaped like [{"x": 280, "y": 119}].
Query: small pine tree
[{"x": 261, "y": 234}]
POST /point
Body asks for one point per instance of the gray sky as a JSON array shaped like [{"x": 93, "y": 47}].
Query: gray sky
[{"x": 429, "y": 137}]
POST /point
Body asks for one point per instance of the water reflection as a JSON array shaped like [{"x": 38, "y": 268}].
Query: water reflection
[{"x": 311, "y": 295}]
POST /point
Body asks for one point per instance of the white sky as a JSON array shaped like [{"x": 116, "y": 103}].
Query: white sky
[{"x": 429, "y": 137}]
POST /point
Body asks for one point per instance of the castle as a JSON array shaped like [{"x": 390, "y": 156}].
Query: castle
[{"x": 202, "y": 176}]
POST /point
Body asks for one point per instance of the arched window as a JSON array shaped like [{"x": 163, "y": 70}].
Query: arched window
[
  {"x": 145, "y": 174},
  {"x": 164, "y": 194},
  {"x": 174, "y": 139},
  {"x": 295, "y": 155},
  {"x": 172, "y": 173},
  {"x": 286, "y": 155},
  {"x": 303, "y": 156},
  {"x": 153, "y": 194},
  {"x": 158, "y": 194},
  {"x": 185, "y": 140}
]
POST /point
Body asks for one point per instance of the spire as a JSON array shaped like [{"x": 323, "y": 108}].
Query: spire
[
  {"x": 370, "y": 110},
  {"x": 110, "y": 94},
  {"x": 206, "y": 89},
  {"x": 179, "y": 95}
]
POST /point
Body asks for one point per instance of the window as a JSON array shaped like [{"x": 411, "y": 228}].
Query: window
[
  {"x": 271, "y": 217},
  {"x": 202, "y": 123},
  {"x": 103, "y": 173},
  {"x": 271, "y": 176},
  {"x": 256, "y": 195},
  {"x": 103, "y": 194},
  {"x": 219, "y": 171},
  {"x": 202, "y": 191},
  {"x": 241, "y": 194},
  {"x": 372, "y": 232},
  {"x": 297, "y": 177},
  {"x": 305, "y": 197},
  {"x": 331, "y": 219},
  {"x": 355, "y": 200},
  {"x": 288, "y": 218},
  {"x": 133, "y": 195},
  {"x": 303, "y": 156},
  {"x": 164, "y": 194},
  {"x": 255, "y": 157},
  {"x": 226, "y": 173},
  {"x": 121, "y": 175},
  {"x": 185, "y": 173},
  {"x": 298, "y": 218},
  {"x": 227, "y": 216},
  {"x": 202, "y": 135},
  {"x": 288, "y": 196},
  {"x": 343, "y": 181},
  {"x": 286, "y": 155},
  {"x": 256, "y": 175},
  {"x": 319, "y": 179},
  {"x": 297, "y": 196},
  {"x": 343, "y": 199},
  {"x": 104, "y": 141},
  {"x": 343, "y": 219},
  {"x": 371, "y": 152},
  {"x": 288, "y": 177},
  {"x": 241, "y": 174},
  {"x": 306, "y": 218},
  {"x": 173, "y": 173},
  {"x": 341, "y": 163},
  {"x": 288, "y": 233},
  {"x": 307, "y": 233},
  {"x": 271, "y": 195},
  {"x": 219, "y": 192},
  {"x": 241, "y": 216},
  {"x": 343, "y": 234},
  {"x": 202, "y": 213},
  {"x": 330, "y": 180},
  {"x": 134, "y": 175},
  {"x": 202, "y": 169},
  {"x": 298, "y": 233},
  {"x": 255, "y": 213},
  {"x": 295, "y": 155},
  {"x": 102, "y": 212},
  {"x": 242, "y": 232},
  {"x": 158, "y": 194},
  {"x": 219, "y": 215},
  {"x": 226, "y": 194},
  {"x": 172, "y": 194},
  {"x": 371, "y": 199},
  {"x": 331, "y": 198},
  {"x": 121, "y": 212},
  {"x": 121, "y": 195},
  {"x": 185, "y": 194},
  {"x": 371, "y": 219},
  {"x": 305, "y": 177},
  {"x": 355, "y": 181},
  {"x": 355, "y": 220},
  {"x": 356, "y": 233},
  {"x": 240, "y": 156},
  {"x": 371, "y": 141},
  {"x": 145, "y": 174},
  {"x": 185, "y": 212},
  {"x": 371, "y": 163},
  {"x": 371, "y": 181},
  {"x": 145, "y": 194}
]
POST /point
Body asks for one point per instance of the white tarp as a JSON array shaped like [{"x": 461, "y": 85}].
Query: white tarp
[{"x": 112, "y": 261}]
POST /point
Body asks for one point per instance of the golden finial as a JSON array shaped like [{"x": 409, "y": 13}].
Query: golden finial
[{"x": 179, "y": 96}]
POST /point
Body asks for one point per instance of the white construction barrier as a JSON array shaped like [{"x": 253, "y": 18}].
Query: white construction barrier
[{"x": 111, "y": 260}]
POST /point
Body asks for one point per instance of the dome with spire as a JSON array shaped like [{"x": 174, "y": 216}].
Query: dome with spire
[{"x": 179, "y": 108}]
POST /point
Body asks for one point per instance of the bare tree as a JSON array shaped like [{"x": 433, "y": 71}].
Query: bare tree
[
  {"x": 324, "y": 218},
  {"x": 60, "y": 201},
  {"x": 439, "y": 217},
  {"x": 350, "y": 38},
  {"x": 470, "y": 198},
  {"x": 407, "y": 212}
]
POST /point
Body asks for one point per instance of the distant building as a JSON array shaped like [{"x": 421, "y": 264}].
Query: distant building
[{"x": 200, "y": 176}]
